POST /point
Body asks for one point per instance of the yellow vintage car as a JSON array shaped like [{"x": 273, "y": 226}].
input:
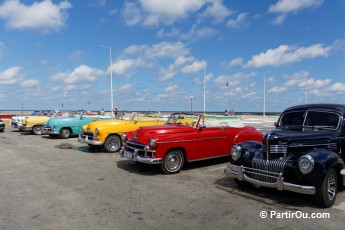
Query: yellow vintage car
[
  {"x": 107, "y": 133},
  {"x": 35, "y": 124}
]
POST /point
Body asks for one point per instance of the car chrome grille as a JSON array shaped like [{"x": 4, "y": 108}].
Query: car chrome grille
[
  {"x": 266, "y": 170},
  {"x": 140, "y": 149},
  {"x": 88, "y": 136},
  {"x": 275, "y": 151}
]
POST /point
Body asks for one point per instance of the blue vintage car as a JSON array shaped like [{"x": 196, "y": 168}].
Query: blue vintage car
[{"x": 65, "y": 127}]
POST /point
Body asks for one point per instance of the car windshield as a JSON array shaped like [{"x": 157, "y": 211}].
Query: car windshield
[
  {"x": 182, "y": 119},
  {"x": 35, "y": 113},
  {"x": 309, "y": 119}
]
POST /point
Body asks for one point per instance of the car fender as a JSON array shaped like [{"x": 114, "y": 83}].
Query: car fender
[
  {"x": 324, "y": 160},
  {"x": 248, "y": 151},
  {"x": 246, "y": 135}
]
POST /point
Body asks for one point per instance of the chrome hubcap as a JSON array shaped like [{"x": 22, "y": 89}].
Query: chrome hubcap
[
  {"x": 65, "y": 133},
  {"x": 331, "y": 187},
  {"x": 38, "y": 130},
  {"x": 173, "y": 162},
  {"x": 113, "y": 144}
]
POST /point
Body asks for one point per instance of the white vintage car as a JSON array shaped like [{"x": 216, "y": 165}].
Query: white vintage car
[{"x": 15, "y": 120}]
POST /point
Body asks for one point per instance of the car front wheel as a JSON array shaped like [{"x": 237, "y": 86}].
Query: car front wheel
[
  {"x": 326, "y": 194},
  {"x": 37, "y": 130},
  {"x": 65, "y": 133},
  {"x": 173, "y": 162},
  {"x": 112, "y": 143}
]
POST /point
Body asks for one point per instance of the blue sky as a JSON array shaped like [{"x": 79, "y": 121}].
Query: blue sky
[{"x": 287, "y": 51}]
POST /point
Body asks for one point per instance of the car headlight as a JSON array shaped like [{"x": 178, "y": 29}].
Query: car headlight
[
  {"x": 153, "y": 143},
  {"x": 236, "y": 152},
  {"x": 96, "y": 131},
  {"x": 123, "y": 136},
  {"x": 306, "y": 164}
]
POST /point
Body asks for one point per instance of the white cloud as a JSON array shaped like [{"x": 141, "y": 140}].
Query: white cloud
[
  {"x": 171, "y": 88},
  {"x": 123, "y": 67},
  {"x": 194, "y": 67},
  {"x": 217, "y": 11},
  {"x": 11, "y": 76},
  {"x": 284, "y": 7},
  {"x": 196, "y": 33},
  {"x": 337, "y": 87},
  {"x": 29, "y": 83},
  {"x": 234, "y": 79},
  {"x": 132, "y": 14},
  {"x": 278, "y": 89},
  {"x": 167, "y": 73},
  {"x": 285, "y": 54},
  {"x": 43, "y": 16},
  {"x": 174, "y": 32},
  {"x": 249, "y": 95},
  {"x": 167, "y": 49},
  {"x": 125, "y": 88},
  {"x": 169, "y": 11},
  {"x": 233, "y": 62},
  {"x": 239, "y": 22},
  {"x": 156, "y": 12},
  {"x": 80, "y": 74},
  {"x": 182, "y": 60}
]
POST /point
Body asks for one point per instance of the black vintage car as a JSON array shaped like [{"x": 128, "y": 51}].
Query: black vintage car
[{"x": 304, "y": 154}]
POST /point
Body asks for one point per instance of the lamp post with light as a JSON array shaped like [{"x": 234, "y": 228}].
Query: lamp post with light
[{"x": 111, "y": 80}]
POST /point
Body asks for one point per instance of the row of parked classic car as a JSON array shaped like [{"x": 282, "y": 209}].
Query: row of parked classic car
[{"x": 304, "y": 154}]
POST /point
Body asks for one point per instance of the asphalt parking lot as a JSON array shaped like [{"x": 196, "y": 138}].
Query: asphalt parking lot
[{"x": 61, "y": 184}]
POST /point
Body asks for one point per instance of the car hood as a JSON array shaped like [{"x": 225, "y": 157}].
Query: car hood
[
  {"x": 161, "y": 132},
  {"x": 298, "y": 136},
  {"x": 101, "y": 123},
  {"x": 54, "y": 120}
]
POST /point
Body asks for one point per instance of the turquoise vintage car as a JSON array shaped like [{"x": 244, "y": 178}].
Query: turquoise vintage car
[{"x": 65, "y": 127}]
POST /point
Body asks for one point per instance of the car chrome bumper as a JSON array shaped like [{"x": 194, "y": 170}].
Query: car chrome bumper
[
  {"x": 83, "y": 140},
  {"x": 50, "y": 132},
  {"x": 134, "y": 157},
  {"x": 238, "y": 172},
  {"x": 25, "y": 128}
]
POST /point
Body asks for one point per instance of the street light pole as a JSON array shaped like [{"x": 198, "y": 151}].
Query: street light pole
[
  {"x": 191, "y": 103},
  {"x": 111, "y": 80},
  {"x": 264, "y": 96},
  {"x": 204, "y": 87}
]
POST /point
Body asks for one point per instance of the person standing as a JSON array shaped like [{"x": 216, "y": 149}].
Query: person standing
[{"x": 116, "y": 111}]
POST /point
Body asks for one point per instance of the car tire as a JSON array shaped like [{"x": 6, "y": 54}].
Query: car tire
[
  {"x": 112, "y": 144},
  {"x": 37, "y": 130},
  {"x": 65, "y": 133},
  {"x": 325, "y": 196},
  {"x": 173, "y": 162}
]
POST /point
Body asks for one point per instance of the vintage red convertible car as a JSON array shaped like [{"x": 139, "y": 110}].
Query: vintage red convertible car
[{"x": 184, "y": 138}]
